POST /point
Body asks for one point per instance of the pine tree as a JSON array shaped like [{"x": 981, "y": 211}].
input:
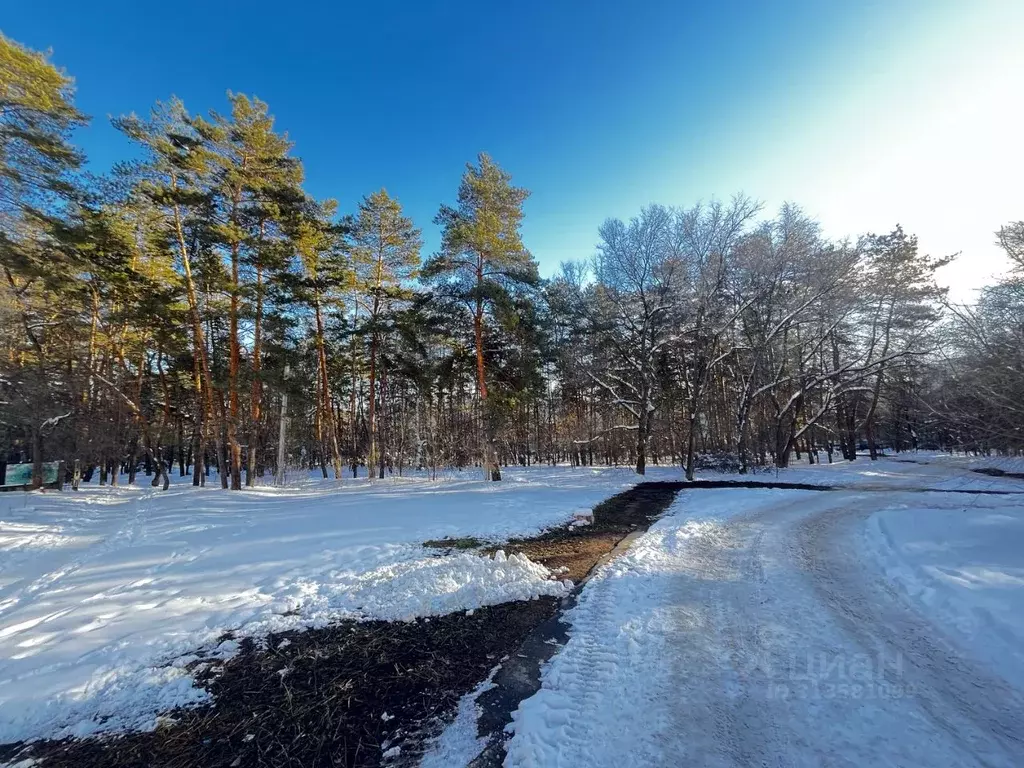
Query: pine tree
[
  {"x": 254, "y": 178},
  {"x": 482, "y": 256},
  {"x": 327, "y": 275},
  {"x": 132, "y": 276},
  {"x": 177, "y": 180},
  {"x": 386, "y": 254},
  {"x": 36, "y": 118},
  {"x": 36, "y": 160}
]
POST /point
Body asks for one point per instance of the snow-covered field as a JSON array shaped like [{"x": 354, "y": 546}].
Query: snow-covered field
[
  {"x": 101, "y": 589},
  {"x": 876, "y": 625}
]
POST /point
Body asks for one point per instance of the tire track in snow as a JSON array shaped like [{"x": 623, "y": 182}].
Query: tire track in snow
[
  {"x": 579, "y": 680},
  {"x": 747, "y": 628},
  {"x": 951, "y": 688},
  {"x": 726, "y": 662}
]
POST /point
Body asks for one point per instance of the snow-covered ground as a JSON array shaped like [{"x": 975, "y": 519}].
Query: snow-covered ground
[
  {"x": 922, "y": 470},
  {"x": 106, "y": 594},
  {"x": 876, "y": 625},
  {"x": 961, "y": 562},
  {"x": 100, "y": 590}
]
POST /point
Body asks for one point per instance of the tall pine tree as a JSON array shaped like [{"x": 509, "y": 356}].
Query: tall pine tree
[
  {"x": 482, "y": 256},
  {"x": 254, "y": 177},
  {"x": 386, "y": 254}
]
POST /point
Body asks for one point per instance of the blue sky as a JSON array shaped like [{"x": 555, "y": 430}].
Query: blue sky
[{"x": 865, "y": 113}]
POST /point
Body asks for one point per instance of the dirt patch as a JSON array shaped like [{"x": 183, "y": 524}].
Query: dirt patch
[
  {"x": 993, "y": 472},
  {"x": 339, "y": 696},
  {"x": 466, "y": 542},
  {"x": 571, "y": 558},
  {"x": 578, "y": 549}
]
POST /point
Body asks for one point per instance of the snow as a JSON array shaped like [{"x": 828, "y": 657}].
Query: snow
[
  {"x": 876, "y": 625},
  {"x": 962, "y": 564},
  {"x": 605, "y": 698},
  {"x": 459, "y": 743},
  {"x": 919, "y": 470},
  {"x": 418, "y": 587},
  {"x": 107, "y": 594},
  {"x": 1004, "y": 463}
]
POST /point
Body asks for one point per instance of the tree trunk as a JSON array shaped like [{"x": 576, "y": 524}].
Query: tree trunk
[
  {"x": 691, "y": 446},
  {"x": 37, "y": 458},
  {"x": 234, "y": 361},
  {"x": 256, "y": 398},
  {"x": 379, "y": 441},
  {"x": 352, "y": 412},
  {"x": 282, "y": 431},
  {"x": 371, "y": 406},
  {"x": 133, "y": 460},
  {"x": 641, "y": 444},
  {"x": 326, "y": 408},
  {"x": 490, "y": 452},
  {"x": 203, "y": 380},
  {"x": 742, "y": 424}
]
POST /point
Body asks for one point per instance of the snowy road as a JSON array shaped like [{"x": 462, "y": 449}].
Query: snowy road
[{"x": 777, "y": 628}]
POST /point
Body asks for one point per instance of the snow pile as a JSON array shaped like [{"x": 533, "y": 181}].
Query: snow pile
[{"x": 423, "y": 587}]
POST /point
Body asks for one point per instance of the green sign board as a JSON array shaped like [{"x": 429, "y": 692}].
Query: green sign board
[{"x": 21, "y": 474}]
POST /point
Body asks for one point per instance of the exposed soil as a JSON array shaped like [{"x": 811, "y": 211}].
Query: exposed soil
[
  {"x": 449, "y": 544},
  {"x": 578, "y": 549},
  {"x": 338, "y": 696},
  {"x": 576, "y": 555},
  {"x": 993, "y": 472}
]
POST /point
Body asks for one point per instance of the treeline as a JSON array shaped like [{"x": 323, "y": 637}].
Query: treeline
[{"x": 197, "y": 310}]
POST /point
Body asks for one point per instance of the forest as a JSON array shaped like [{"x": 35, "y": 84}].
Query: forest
[{"x": 195, "y": 312}]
